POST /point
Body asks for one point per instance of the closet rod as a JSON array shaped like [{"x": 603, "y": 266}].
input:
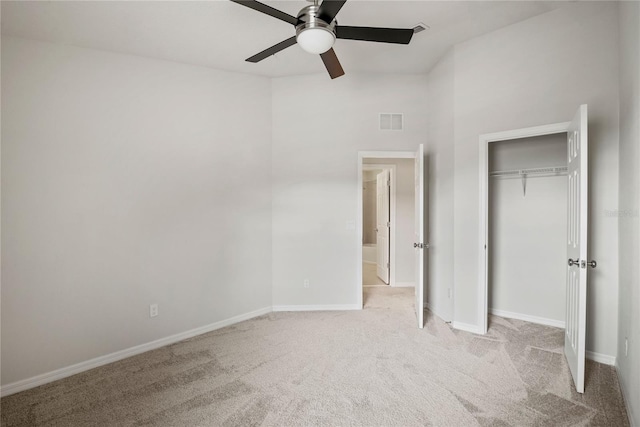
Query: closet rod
[
  {"x": 556, "y": 170},
  {"x": 523, "y": 174}
]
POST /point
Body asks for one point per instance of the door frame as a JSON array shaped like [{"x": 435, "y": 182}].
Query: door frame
[
  {"x": 392, "y": 215},
  {"x": 483, "y": 237},
  {"x": 359, "y": 216}
]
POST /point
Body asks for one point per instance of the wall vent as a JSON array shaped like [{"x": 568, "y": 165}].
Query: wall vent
[{"x": 391, "y": 121}]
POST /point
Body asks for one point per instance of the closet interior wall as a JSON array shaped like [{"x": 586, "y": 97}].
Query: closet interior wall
[{"x": 527, "y": 229}]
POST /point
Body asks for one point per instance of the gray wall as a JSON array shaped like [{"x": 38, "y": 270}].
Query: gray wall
[
  {"x": 629, "y": 208},
  {"x": 527, "y": 231},
  {"x": 126, "y": 181},
  {"x": 440, "y": 89},
  {"x": 315, "y": 184},
  {"x": 517, "y": 77}
]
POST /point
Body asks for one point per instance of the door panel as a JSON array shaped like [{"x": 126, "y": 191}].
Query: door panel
[
  {"x": 577, "y": 225},
  {"x": 419, "y": 245},
  {"x": 382, "y": 226}
]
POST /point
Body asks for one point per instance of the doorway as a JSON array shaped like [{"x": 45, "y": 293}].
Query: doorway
[
  {"x": 379, "y": 224},
  {"x": 406, "y": 222},
  {"x": 576, "y": 239},
  {"x": 527, "y": 229}
]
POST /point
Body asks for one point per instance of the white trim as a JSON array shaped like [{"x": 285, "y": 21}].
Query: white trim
[
  {"x": 526, "y": 132},
  {"x": 483, "y": 236},
  {"x": 123, "y": 354},
  {"x": 326, "y": 307},
  {"x": 392, "y": 215},
  {"x": 404, "y": 285},
  {"x": 601, "y": 358},
  {"x": 528, "y": 318},
  {"x": 467, "y": 327},
  {"x": 361, "y": 156},
  {"x": 386, "y": 155}
]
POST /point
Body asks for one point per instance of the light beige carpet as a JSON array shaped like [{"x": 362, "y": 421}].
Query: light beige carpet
[{"x": 370, "y": 367}]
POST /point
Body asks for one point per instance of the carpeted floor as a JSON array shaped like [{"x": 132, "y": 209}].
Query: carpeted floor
[{"x": 370, "y": 367}]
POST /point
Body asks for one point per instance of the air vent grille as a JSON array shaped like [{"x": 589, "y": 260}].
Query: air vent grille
[{"x": 391, "y": 121}]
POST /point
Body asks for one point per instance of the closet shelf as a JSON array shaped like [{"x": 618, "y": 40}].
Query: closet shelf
[
  {"x": 531, "y": 172},
  {"x": 523, "y": 174}
]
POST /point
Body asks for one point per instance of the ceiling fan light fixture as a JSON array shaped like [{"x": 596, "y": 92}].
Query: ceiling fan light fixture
[{"x": 315, "y": 39}]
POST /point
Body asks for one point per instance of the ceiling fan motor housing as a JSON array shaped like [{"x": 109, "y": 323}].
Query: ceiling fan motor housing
[{"x": 309, "y": 23}]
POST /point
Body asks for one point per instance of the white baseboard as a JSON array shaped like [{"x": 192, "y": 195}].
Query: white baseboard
[
  {"x": 123, "y": 354},
  {"x": 601, "y": 358},
  {"x": 528, "y": 318},
  {"x": 404, "y": 285},
  {"x": 328, "y": 307},
  {"x": 474, "y": 329}
]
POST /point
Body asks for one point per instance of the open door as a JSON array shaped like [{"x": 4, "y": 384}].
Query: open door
[
  {"x": 382, "y": 225},
  {"x": 419, "y": 244},
  {"x": 577, "y": 225}
]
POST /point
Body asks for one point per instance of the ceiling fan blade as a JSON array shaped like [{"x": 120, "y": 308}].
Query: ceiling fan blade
[
  {"x": 260, "y": 7},
  {"x": 375, "y": 34},
  {"x": 329, "y": 9},
  {"x": 331, "y": 62},
  {"x": 272, "y": 50}
]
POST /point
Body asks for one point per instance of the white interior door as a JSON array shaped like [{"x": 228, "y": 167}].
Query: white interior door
[
  {"x": 382, "y": 225},
  {"x": 419, "y": 244},
  {"x": 577, "y": 224}
]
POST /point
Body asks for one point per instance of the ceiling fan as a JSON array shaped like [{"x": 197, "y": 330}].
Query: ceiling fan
[{"x": 317, "y": 30}]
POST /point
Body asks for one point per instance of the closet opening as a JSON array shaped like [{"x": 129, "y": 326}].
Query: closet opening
[
  {"x": 527, "y": 229},
  {"x": 527, "y": 235}
]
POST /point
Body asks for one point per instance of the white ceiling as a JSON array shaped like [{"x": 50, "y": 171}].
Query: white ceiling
[{"x": 221, "y": 34}]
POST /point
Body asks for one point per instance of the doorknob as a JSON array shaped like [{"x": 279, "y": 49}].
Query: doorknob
[
  {"x": 591, "y": 264},
  {"x": 573, "y": 262}
]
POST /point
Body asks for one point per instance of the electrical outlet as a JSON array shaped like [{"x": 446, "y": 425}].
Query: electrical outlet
[
  {"x": 306, "y": 283},
  {"x": 626, "y": 346},
  {"x": 153, "y": 310}
]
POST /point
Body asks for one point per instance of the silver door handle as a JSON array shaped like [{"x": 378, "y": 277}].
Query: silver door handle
[
  {"x": 573, "y": 262},
  {"x": 591, "y": 264}
]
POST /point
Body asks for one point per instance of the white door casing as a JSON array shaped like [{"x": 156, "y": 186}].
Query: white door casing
[
  {"x": 577, "y": 241},
  {"x": 382, "y": 225},
  {"x": 419, "y": 243}
]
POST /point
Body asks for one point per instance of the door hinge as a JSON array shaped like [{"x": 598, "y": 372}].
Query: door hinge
[
  {"x": 388, "y": 224},
  {"x": 388, "y": 265}
]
